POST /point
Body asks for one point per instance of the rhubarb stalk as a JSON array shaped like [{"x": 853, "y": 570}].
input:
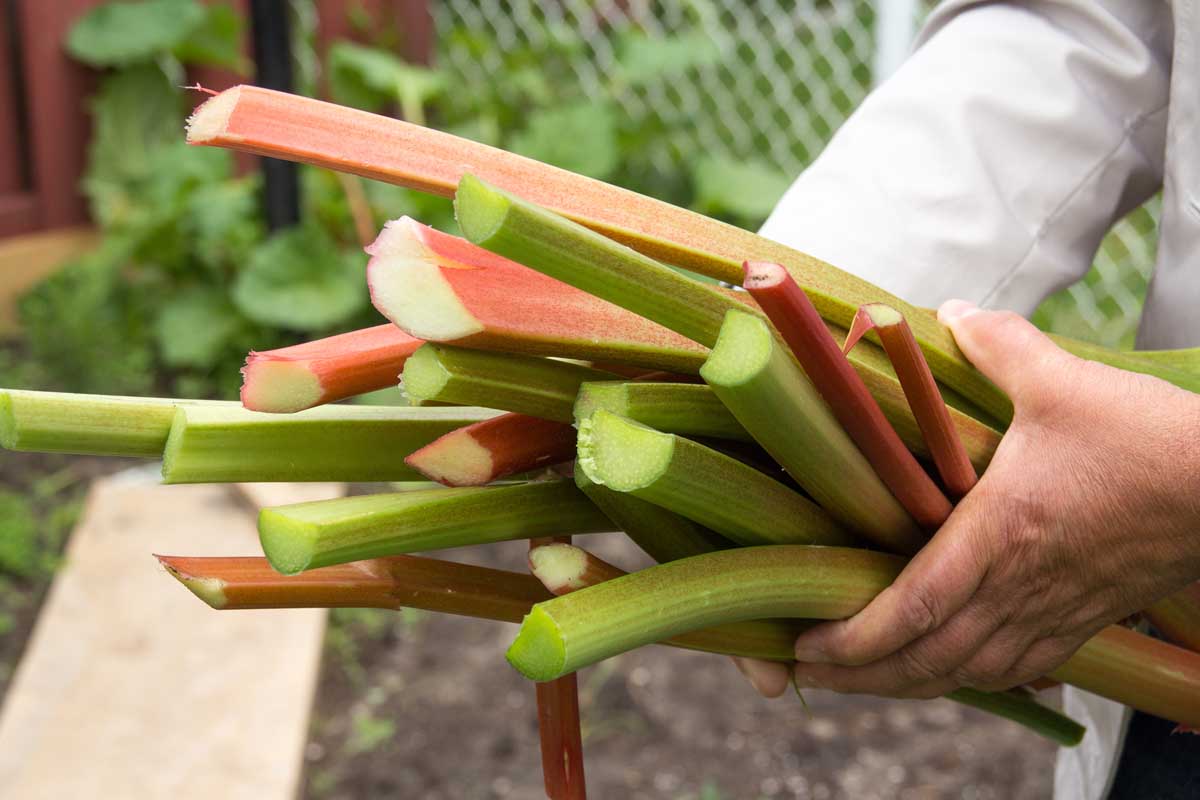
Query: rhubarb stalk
[
  {"x": 442, "y": 288},
  {"x": 949, "y": 455},
  {"x": 1178, "y": 617},
  {"x": 313, "y": 373},
  {"x": 329, "y": 443},
  {"x": 558, "y": 723},
  {"x": 494, "y": 448},
  {"x": 802, "y": 328},
  {"x": 563, "y": 569},
  {"x": 757, "y": 379},
  {"x": 302, "y": 536},
  {"x": 684, "y": 408},
  {"x": 719, "y": 492},
  {"x": 395, "y": 582},
  {"x": 663, "y": 535},
  {"x": 538, "y": 387},
  {"x": 570, "y": 632},
  {"x": 90, "y": 424}
]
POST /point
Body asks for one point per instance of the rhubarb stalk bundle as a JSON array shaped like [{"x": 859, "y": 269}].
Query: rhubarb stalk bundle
[{"x": 757, "y": 491}]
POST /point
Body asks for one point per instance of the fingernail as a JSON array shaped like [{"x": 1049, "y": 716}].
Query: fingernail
[
  {"x": 952, "y": 310},
  {"x": 811, "y": 654}
]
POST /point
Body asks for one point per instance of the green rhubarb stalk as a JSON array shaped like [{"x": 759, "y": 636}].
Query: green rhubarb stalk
[
  {"x": 663, "y": 535},
  {"x": 573, "y": 631},
  {"x": 758, "y": 380},
  {"x": 689, "y": 409},
  {"x": 563, "y": 569},
  {"x": 585, "y": 259},
  {"x": 553, "y": 245},
  {"x": 538, "y": 387},
  {"x": 708, "y": 487},
  {"x": 210, "y": 444},
  {"x": 317, "y": 534},
  {"x": 90, "y": 424}
]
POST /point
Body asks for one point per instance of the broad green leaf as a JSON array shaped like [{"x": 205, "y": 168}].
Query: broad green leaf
[
  {"x": 746, "y": 189},
  {"x": 298, "y": 279},
  {"x": 642, "y": 58},
  {"x": 216, "y": 41},
  {"x": 194, "y": 327},
  {"x": 581, "y": 138},
  {"x": 117, "y": 34}
]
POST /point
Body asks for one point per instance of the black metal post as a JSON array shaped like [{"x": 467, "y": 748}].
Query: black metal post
[{"x": 273, "y": 70}]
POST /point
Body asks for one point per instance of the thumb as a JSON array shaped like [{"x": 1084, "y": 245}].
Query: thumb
[{"x": 1004, "y": 346}]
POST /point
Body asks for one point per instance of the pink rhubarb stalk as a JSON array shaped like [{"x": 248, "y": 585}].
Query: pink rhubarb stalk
[
  {"x": 797, "y": 320},
  {"x": 921, "y": 390},
  {"x": 493, "y": 449},
  {"x": 442, "y": 288},
  {"x": 310, "y": 374}
]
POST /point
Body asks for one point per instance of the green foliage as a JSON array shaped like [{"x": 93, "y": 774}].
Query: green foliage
[
  {"x": 299, "y": 279},
  {"x": 19, "y": 554},
  {"x": 215, "y": 41},
  {"x": 581, "y": 137},
  {"x": 122, "y": 33},
  {"x": 373, "y": 79},
  {"x": 746, "y": 190}
]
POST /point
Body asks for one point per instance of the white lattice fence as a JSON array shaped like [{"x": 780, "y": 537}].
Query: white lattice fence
[{"x": 706, "y": 92}]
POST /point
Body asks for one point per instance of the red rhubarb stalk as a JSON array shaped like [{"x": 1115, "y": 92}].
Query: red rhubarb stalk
[
  {"x": 558, "y": 724},
  {"x": 920, "y": 389},
  {"x": 495, "y": 448},
  {"x": 394, "y": 582},
  {"x": 797, "y": 320},
  {"x": 1178, "y": 617},
  {"x": 310, "y": 374},
  {"x": 442, "y": 288}
]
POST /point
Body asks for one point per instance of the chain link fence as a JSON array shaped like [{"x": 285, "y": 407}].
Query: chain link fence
[{"x": 683, "y": 99}]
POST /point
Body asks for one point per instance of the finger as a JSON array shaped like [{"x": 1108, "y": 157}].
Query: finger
[
  {"x": 1042, "y": 658},
  {"x": 932, "y": 588},
  {"x": 931, "y": 660},
  {"x": 994, "y": 662},
  {"x": 769, "y": 678},
  {"x": 1004, "y": 346}
]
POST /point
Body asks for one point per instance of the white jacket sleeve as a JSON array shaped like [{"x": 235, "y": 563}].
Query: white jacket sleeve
[{"x": 991, "y": 164}]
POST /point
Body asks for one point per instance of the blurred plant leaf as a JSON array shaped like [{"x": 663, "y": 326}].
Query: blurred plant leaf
[
  {"x": 19, "y": 552},
  {"x": 195, "y": 326},
  {"x": 135, "y": 113},
  {"x": 642, "y": 58},
  {"x": 118, "y": 34},
  {"x": 580, "y": 137},
  {"x": 368, "y": 77},
  {"x": 299, "y": 280},
  {"x": 748, "y": 189},
  {"x": 216, "y": 41}
]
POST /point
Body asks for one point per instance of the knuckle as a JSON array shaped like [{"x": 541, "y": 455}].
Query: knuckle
[
  {"x": 921, "y": 611},
  {"x": 912, "y": 668}
]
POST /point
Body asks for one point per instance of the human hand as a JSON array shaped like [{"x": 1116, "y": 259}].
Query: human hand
[{"x": 1089, "y": 511}]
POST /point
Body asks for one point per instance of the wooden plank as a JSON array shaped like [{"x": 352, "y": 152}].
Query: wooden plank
[
  {"x": 56, "y": 91},
  {"x": 25, "y": 260},
  {"x": 132, "y": 688}
]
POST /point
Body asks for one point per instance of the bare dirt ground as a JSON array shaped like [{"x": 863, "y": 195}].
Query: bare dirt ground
[{"x": 424, "y": 706}]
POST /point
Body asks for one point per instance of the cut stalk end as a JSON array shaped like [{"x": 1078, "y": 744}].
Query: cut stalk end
[
  {"x": 279, "y": 386},
  {"x": 560, "y": 567},
  {"x": 8, "y": 423},
  {"x": 289, "y": 544},
  {"x": 621, "y": 454},
  {"x": 211, "y": 120},
  {"x": 739, "y": 354},
  {"x": 538, "y": 652},
  {"x": 480, "y": 209},
  {"x": 424, "y": 375},
  {"x": 210, "y": 590}
]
